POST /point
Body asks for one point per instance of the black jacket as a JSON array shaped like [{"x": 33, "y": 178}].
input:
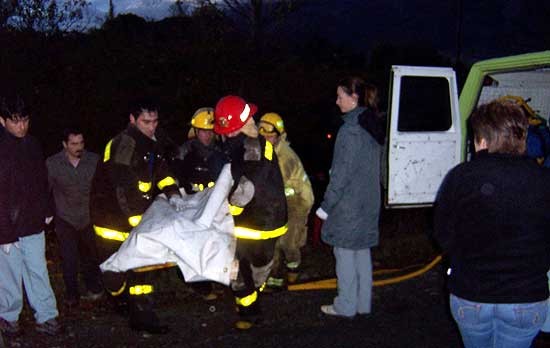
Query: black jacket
[
  {"x": 267, "y": 211},
  {"x": 492, "y": 219},
  {"x": 129, "y": 159},
  {"x": 24, "y": 191}
]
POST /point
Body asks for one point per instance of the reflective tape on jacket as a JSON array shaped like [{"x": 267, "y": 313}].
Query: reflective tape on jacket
[
  {"x": 168, "y": 181},
  {"x": 119, "y": 291},
  {"x": 144, "y": 186},
  {"x": 108, "y": 233},
  {"x": 137, "y": 290},
  {"x": 247, "y": 300},
  {"x": 249, "y": 233},
  {"x": 201, "y": 187},
  {"x": 134, "y": 220},
  {"x": 268, "y": 151},
  {"x": 289, "y": 191},
  {"x": 107, "y": 152},
  {"x": 235, "y": 210}
]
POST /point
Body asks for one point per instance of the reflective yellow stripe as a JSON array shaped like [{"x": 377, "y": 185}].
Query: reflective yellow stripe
[
  {"x": 211, "y": 184},
  {"x": 134, "y": 220},
  {"x": 247, "y": 300},
  {"x": 166, "y": 182},
  {"x": 119, "y": 291},
  {"x": 141, "y": 290},
  {"x": 289, "y": 191},
  {"x": 144, "y": 186},
  {"x": 107, "y": 152},
  {"x": 248, "y": 233},
  {"x": 110, "y": 234},
  {"x": 268, "y": 151},
  {"x": 262, "y": 287},
  {"x": 235, "y": 210}
]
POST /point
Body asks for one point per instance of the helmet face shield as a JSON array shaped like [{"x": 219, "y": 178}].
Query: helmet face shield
[
  {"x": 267, "y": 129},
  {"x": 271, "y": 124}
]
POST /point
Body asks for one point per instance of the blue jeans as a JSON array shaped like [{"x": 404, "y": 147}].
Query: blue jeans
[
  {"x": 354, "y": 273},
  {"x": 26, "y": 265},
  {"x": 498, "y": 325}
]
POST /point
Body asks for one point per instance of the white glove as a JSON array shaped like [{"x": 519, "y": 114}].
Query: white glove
[
  {"x": 321, "y": 214},
  {"x": 6, "y": 247},
  {"x": 48, "y": 220},
  {"x": 177, "y": 202},
  {"x": 243, "y": 194}
]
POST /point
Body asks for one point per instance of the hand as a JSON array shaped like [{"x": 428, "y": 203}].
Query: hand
[
  {"x": 48, "y": 220},
  {"x": 321, "y": 214},
  {"x": 177, "y": 202},
  {"x": 243, "y": 194}
]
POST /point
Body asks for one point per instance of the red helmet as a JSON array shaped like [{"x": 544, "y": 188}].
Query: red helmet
[{"x": 231, "y": 114}]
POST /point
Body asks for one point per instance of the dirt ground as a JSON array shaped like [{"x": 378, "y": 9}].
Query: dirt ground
[{"x": 410, "y": 313}]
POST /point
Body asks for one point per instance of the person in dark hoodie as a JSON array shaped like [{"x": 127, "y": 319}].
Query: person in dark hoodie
[{"x": 23, "y": 212}]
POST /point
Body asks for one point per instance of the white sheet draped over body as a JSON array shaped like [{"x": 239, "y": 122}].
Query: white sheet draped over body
[{"x": 199, "y": 239}]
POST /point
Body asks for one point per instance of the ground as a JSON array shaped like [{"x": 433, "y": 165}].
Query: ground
[{"x": 410, "y": 313}]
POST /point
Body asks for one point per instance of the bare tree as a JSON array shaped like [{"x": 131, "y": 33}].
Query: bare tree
[{"x": 46, "y": 15}]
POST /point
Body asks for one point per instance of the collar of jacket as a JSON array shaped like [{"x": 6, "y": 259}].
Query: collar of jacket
[
  {"x": 351, "y": 116},
  {"x": 484, "y": 154},
  {"x": 135, "y": 133}
]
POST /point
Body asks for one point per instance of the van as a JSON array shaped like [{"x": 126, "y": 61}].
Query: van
[{"x": 427, "y": 120}]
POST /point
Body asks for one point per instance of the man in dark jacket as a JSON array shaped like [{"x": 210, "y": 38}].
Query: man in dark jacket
[
  {"x": 130, "y": 175},
  {"x": 258, "y": 202},
  {"x": 23, "y": 213}
]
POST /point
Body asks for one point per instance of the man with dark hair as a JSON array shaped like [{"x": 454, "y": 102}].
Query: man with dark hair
[
  {"x": 22, "y": 242},
  {"x": 70, "y": 174},
  {"x": 132, "y": 172}
]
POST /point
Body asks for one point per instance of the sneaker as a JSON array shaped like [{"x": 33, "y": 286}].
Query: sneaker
[
  {"x": 329, "y": 310},
  {"x": 9, "y": 328},
  {"x": 50, "y": 327},
  {"x": 92, "y": 296}
]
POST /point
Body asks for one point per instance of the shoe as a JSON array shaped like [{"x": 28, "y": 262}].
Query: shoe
[
  {"x": 329, "y": 310},
  {"x": 9, "y": 328},
  {"x": 50, "y": 327},
  {"x": 92, "y": 296},
  {"x": 143, "y": 318}
]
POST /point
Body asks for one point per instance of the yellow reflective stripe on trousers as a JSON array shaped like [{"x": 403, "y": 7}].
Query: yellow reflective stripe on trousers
[
  {"x": 134, "y": 220},
  {"x": 247, "y": 300},
  {"x": 144, "y": 186},
  {"x": 249, "y": 233},
  {"x": 268, "y": 151},
  {"x": 107, "y": 152},
  {"x": 110, "y": 234},
  {"x": 119, "y": 291},
  {"x": 235, "y": 210},
  {"x": 137, "y": 290},
  {"x": 166, "y": 182}
]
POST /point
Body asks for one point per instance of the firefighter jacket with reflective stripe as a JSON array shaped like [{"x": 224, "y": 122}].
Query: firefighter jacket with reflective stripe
[
  {"x": 198, "y": 166},
  {"x": 298, "y": 191},
  {"x": 267, "y": 211},
  {"x": 131, "y": 173}
]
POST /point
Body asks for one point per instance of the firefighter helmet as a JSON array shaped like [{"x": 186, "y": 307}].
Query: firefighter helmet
[
  {"x": 231, "y": 114},
  {"x": 203, "y": 118},
  {"x": 271, "y": 124}
]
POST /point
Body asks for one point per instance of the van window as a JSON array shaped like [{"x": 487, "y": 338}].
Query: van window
[{"x": 424, "y": 104}]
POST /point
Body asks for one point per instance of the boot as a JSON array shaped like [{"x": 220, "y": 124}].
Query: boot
[
  {"x": 143, "y": 318},
  {"x": 248, "y": 317}
]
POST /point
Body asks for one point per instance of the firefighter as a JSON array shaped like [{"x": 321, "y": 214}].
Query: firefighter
[
  {"x": 197, "y": 166},
  {"x": 299, "y": 198},
  {"x": 132, "y": 172},
  {"x": 257, "y": 202}
]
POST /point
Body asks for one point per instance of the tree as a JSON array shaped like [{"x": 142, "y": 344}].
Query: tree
[{"x": 45, "y": 15}]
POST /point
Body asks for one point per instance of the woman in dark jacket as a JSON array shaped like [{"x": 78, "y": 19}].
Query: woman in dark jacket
[
  {"x": 351, "y": 204},
  {"x": 491, "y": 218}
]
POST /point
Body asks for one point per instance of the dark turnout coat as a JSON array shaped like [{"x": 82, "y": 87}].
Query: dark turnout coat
[{"x": 131, "y": 173}]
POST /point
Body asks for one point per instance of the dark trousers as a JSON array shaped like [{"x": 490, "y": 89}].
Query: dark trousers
[{"x": 77, "y": 248}]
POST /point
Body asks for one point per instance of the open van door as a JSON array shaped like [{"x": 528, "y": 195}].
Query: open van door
[{"x": 424, "y": 140}]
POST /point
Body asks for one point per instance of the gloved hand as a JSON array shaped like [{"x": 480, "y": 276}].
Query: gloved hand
[
  {"x": 48, "y": 220},
  {"x": 243, "y": 194},
  {"x": 177, "y": 202},
  {"x": 6, "y": 247},
  {"x": 321, "y": 214}
]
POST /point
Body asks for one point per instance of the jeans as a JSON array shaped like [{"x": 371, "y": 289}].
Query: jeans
[
  {"x": 498, "y": 325},
  {"x": 78, "y": 246},
  {"x": 26, "y": 265},
  {"x": 354, "y": 273}
]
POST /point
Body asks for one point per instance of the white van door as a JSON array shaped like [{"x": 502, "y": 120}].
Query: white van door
[{"x": 424, "y": 133}]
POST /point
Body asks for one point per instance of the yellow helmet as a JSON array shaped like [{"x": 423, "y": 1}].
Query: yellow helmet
[
  {"x": 271, "y": 124},
  {"x": 203, "y": 118}
]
